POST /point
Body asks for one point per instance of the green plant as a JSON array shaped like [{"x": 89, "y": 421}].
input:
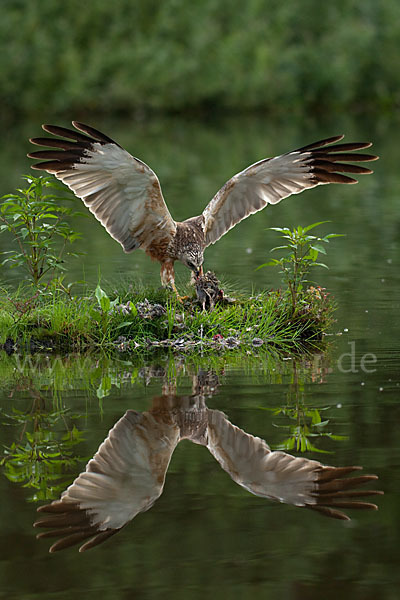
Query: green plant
[
  {"x": 35, "y": 219},
  {"x": 304, "y": 250}
]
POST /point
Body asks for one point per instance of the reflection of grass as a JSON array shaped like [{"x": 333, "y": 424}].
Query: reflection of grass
[
  {"x": 99, "y": 375},
  {"x": 125, "y": 319},
  {"x": 42, "y": 456}
]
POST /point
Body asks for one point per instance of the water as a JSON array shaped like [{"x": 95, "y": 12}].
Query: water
[{"x": 205, "y": 534}]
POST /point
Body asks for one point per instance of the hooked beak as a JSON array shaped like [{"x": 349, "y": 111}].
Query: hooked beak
[{"x": 199, "y": 272}]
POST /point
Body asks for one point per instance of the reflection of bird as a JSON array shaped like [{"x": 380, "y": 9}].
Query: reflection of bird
[
  {"x": 125, "y": 195},
  {"x": 127, "y": 474}
]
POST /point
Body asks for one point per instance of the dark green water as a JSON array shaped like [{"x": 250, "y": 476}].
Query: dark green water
[{"x": 205, "y": 535}]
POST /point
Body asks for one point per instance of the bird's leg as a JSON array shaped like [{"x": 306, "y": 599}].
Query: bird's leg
[
  {"x": 168, "y": 277},
  {"x": 180, "y": 298}
]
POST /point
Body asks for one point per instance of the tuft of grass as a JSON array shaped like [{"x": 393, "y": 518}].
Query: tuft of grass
[{"x": 143, "y": 320}]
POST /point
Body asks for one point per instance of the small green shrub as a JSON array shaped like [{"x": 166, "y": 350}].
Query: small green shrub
[
  {"x": 295, "y": 265},
  {"x": 36, "y": 220}
]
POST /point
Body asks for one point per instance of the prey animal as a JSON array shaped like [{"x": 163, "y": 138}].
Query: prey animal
[{"x": 125, "y": 195}]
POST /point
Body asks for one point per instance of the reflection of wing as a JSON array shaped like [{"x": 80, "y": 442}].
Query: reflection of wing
[
  {"x": 282, "y": 477},
  {"x": 270, "y": 180},
  {"x": 125, "y": 477},
  {"x": 121, "y": 191}
]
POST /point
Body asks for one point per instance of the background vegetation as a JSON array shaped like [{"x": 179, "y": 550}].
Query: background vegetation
[{"x": 177, "y": 55}]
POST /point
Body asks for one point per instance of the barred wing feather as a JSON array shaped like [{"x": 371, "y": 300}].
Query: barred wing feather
[
  {"x": 124, "y": 478},
  {"x": 271, "y": 180},
  {"x": 282, "y": 477},
  {"x": 122, "y": 192}
]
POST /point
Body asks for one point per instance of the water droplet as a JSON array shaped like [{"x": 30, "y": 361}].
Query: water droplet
[
  {"x": 249, "y": 250},
  {"x": 345, "y": 330},
  {"x": 381, "y": 389},
  {"x": 338, "y": 405},
  {"x": 362, "y": 383},
  {"x": 366, "y": 311}
]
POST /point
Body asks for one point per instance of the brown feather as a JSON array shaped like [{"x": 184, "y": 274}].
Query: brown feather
[
  {"x": 57, "y": 143},
  {"x": 59, "y": 155},
  {"x": 332, "y": 166},
  {"x": 320, "y": 143},
  {"x": 348, "y": 146},
  {"x": 50, "y": 166},
  {"x": 350, "y": 504},
  {"x": 64, "y": 519},
  {"x": 94, "y": 133},
  {"x": 66, "y": 133},
  {"x": 329, "y": 512},
  {"x": 63, "y": 531},
  {"x": 325, "y": 177},
  {"x": 344, "y": 484},
  {"x": 348, "y": 494},
  {"x": 329, "y": 473},
  {"x": 345, "y": 156},
  {"x": 98, "y": 539},
  {"x": 58, "y": 506},
  {"x": 70, "y": 540},
  {"x": 335, "y": 147}
]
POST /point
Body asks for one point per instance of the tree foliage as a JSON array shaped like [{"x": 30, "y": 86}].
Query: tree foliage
[{"x": 178, "y": 55}]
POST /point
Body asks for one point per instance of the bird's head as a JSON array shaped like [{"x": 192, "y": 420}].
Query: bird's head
[{"x": 194, "y": 262}]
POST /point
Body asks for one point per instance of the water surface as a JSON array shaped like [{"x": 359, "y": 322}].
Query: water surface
[{"x": 206, "y": 535}]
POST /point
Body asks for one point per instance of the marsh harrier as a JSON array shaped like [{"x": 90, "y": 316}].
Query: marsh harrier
[{"x": 124, "y": 194}]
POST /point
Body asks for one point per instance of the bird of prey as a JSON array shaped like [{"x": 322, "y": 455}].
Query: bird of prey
[
  {"x": 124, "y": 194},
  {"x": 127, "y": 474}
]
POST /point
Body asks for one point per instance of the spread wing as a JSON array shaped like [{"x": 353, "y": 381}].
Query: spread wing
[
  {"x": 282, "y": 477},
  {"x": 124, "y": 478},
  {"x": 272, "y": 179},
  {"x": 122, "y": 192}
]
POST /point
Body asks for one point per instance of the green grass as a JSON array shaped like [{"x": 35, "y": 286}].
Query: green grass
[{"x": 127, "y": 320}]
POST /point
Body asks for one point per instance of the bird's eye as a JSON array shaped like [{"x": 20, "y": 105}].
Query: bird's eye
[{"x": 191, "y": 265}]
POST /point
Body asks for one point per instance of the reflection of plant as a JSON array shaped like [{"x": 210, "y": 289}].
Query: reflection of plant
[
  {"x": 303, "y": 255},
  {"x": 36, "y": 221},
  {"x": 41, "y": 458},
  {"x": 307, "y": 424}
]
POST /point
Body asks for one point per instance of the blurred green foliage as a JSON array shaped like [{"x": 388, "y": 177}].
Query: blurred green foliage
[{"x": 177, "y": 55}]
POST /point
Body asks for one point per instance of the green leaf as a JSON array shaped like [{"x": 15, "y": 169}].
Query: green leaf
[
  {"x": 125, "y": 324},
  {"x": 333, "y": 235},
  {"x": 102, "y": 299},
  {"x": 320, "y": 265},
  {"x": 271, "y": 263},
  {"x": 133, "y": 309},
  {"x": 319, "y": 248},
  {"x": 280, "y": 248},
  {"x": 309, "y": 227}
]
